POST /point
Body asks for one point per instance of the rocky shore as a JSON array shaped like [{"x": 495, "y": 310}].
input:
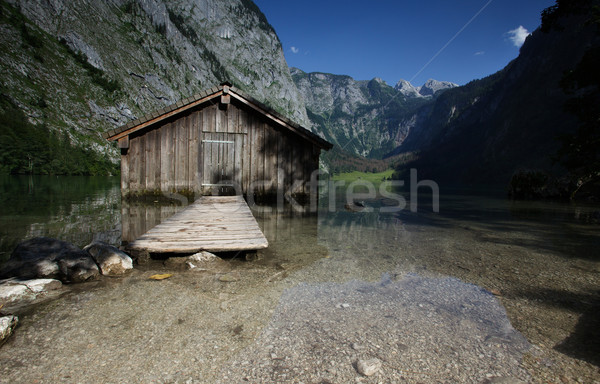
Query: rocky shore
[{"x": 38, "y": 267}]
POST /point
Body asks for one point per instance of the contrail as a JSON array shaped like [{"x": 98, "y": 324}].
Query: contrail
[
  {"x": 450, "y": 41},
  {"x": 436, "y": 55}
]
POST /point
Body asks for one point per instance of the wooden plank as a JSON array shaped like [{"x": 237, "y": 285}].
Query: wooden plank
[
  {"x": 222, "y": 166},
  {"x": 230, "y": 169},
  {"x": 185, "y": 157},
  {"x": 266, "y": 156},
  {"x": 124, "y": 142},
  {"x": 180, "y": 154},
  {"x": 125, "y": 174},
  {"x": 253, "y": 155},
  {"x": 149, "y": 162},
  {"x": 192, "y": 152},
  {"x": 289, "y": 163},
  {"x": 157, "y": 159},
  {"x": 164, "y": 158},
  {"x": 212, "y": 223},
  {"x": 231, "y": 120},
  {"x": 131, "y": 153},
  {"x": 237, "y": 162},
  {"x": 167, "y": 151},
  {"x": 296, "y": 166},
  {"x": 206, "y": 158},
  {"x": 259, "y": 147},
  {"x": 281, "y": 155},
  {"x": 218, "y": 119},
  {"x": 271, "y": 164},
  {"x": 246, "y": 152},
  {"x": 200, "y": 160},
  {"x": 136, "y": 163}
]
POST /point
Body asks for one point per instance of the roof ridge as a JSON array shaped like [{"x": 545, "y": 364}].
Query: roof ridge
[{"x": 215, "y": 90}]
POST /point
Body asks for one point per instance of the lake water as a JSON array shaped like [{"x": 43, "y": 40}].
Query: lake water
[{"x": 336, "y": 277}]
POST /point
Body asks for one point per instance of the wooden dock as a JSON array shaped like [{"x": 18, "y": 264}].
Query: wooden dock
[{"x": 211, "y": 223}]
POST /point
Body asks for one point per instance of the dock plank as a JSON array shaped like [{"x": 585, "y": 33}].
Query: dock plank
[{"x": 212, "y": 223}]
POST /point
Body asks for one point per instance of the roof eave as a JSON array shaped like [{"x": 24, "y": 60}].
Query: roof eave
[{"x": 205, "y": 96}]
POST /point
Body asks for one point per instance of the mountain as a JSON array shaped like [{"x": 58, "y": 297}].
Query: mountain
[
  {"x": 364, "y": 118},
  {"x": 429, "y": 89},
  {"x": 490, "y": 128},
  {"x": 72, "y": 70}
]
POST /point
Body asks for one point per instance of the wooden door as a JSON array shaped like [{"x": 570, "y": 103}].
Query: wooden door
[{"x": 222, "y": 169}]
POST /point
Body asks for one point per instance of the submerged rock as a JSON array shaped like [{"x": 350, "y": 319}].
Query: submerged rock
[
  {"x": 200, "y": 261},
  {"x": 111, "y": 260},
  {"x": 7, "y": 326},
  {"x": 36, "y": 258}
]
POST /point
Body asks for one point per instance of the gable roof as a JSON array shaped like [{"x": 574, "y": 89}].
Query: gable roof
[{"x": 206, "y": 96}]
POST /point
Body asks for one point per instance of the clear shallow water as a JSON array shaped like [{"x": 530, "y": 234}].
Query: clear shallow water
[
  {"x": 539, "y": 258},
  {"x": 74, "y": 209}
]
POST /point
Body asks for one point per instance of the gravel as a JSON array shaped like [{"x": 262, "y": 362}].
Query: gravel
[{"x": 415, "y": 328}]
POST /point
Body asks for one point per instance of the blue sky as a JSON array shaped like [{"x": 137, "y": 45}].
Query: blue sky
[{"x": 415, "y": 40}]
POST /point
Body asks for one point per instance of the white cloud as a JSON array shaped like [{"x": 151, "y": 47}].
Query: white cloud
[
  {"x": 294, "y": 50},
  {"x": 518, "y": 35},
  {"x": 480, "y": 53}
]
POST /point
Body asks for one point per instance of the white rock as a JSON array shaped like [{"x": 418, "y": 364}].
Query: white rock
[
  {"x": 201, "y": 256},
  {"x": 368, "y": 367},
  {"x": 198, "y": 259},
  {"x": 12, "y": 293},
  {"x": 42, "y": 285},
  {"x": 7, "y": 325}
]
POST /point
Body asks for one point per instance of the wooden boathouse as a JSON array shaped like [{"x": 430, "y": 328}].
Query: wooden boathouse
[{"x": 220, "y": 141}]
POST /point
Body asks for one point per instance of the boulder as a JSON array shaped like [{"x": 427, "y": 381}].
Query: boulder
[
  {"x": 36, "y": 257},
  {"x": 16, "y": 291},
  {"x": 7, "y": 326},
  {"x": 111, "y": 260},
  {"x": 12, "y": 293},
  {"x": 77, "y": 267}
]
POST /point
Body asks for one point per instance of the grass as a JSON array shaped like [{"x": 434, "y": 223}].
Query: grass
[{"x": 374, "y": 178}]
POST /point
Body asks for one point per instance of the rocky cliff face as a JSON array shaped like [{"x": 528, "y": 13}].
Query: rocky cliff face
[
  {"x": 83, "y": 67},
  {"x": 363, "y": 118}
]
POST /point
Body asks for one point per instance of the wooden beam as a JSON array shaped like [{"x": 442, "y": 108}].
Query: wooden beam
[
  {"x": 124, "y": 142},
  {"x": 163, "y": 117}
]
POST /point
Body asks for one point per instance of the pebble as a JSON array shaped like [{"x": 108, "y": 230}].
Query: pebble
[
  {"x": 368, "y": 367},
  {"x": 229, "y": 278}
]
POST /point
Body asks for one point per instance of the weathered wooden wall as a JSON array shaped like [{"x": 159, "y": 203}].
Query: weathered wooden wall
[{"x": 188, "y": 154}]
